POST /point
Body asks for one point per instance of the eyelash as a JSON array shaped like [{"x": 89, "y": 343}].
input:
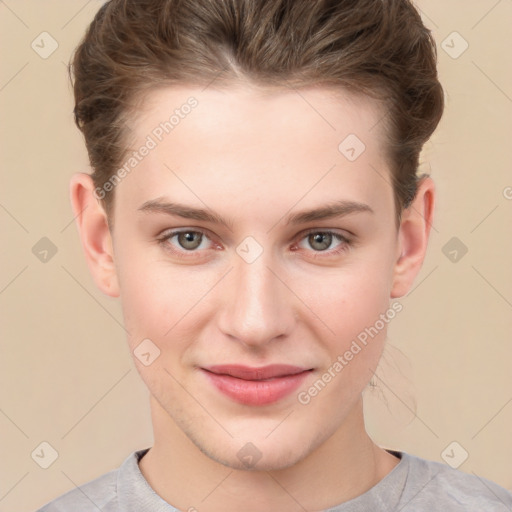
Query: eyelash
[{"x": 164, "y": 239}]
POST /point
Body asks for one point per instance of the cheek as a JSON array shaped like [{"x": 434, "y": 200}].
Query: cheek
[
  {"x": 155, "y": 302},
  {"x": 354, "y": 312},
  {"x": 350, "y": 298},
  {"x": 154, "y": 297}
]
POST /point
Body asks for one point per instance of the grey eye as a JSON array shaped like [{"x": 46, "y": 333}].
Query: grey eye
[
  {"x": 320, "y": 241},
  {"x": 189, "y": 239}
]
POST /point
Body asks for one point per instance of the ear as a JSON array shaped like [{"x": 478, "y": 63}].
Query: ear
[
  {"x": 413, "y": 237},
  {"x": 94, "y": 232}
]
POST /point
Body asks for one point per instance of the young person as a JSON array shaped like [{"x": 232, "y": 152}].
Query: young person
[{"x": 255, "y": 204}]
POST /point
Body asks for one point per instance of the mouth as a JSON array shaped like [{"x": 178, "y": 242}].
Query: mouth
[{"x": 256, "y": 385}]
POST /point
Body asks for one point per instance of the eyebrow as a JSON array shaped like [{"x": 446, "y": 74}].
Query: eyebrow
[{"x": 331, "y": 210}]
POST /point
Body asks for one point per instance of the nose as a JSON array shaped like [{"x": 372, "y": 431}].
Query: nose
[{"x": 256, "y": 305}]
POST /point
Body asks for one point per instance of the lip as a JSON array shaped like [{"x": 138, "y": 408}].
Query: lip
[{"x": 256, "y": 385}]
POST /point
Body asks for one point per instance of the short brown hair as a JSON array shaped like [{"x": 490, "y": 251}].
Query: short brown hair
[{"x": 375, "y": 47}]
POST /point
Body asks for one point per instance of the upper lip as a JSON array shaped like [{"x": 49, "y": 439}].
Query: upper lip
[{"x": 256, "y": 373}]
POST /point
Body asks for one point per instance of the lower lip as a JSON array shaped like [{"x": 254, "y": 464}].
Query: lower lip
[{"x": 256, "y": 392}]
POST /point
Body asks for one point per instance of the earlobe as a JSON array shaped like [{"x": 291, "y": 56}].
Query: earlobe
[
  {"x": 413, "y": 238},
  {"x": 91, "y": 221}
]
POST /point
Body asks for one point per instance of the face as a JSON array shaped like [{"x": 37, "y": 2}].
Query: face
[{"x": 252, "y": 280}]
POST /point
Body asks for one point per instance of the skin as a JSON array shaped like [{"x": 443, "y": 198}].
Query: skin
[{"x": 254, "y": 157}]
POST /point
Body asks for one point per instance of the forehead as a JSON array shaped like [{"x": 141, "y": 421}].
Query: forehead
[
  {"x": 278, "y": 141},
  {"x": 318, "y": 113}
]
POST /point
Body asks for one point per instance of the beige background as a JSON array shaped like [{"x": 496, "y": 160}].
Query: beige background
[{"x": 65, "y": 373}]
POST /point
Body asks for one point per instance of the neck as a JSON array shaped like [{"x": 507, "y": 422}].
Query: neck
[{"x": 345, "y": 466}]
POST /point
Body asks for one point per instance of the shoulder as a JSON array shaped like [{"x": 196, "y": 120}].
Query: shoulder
[
  {"x": 98, "y": 494},
  {"x": 430, "y": 484}
]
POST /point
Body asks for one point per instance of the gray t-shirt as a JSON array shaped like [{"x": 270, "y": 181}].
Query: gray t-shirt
[{"x": 413, "y": 485}]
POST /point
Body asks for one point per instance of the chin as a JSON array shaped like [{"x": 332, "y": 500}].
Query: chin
[
  {"x": 262, "y": 455},
  {"x": 275, "y": 462}
]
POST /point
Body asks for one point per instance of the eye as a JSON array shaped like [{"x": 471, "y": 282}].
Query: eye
[
  {"x": 321, "y": 241},
  {"x": 186, "y": 240}
]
